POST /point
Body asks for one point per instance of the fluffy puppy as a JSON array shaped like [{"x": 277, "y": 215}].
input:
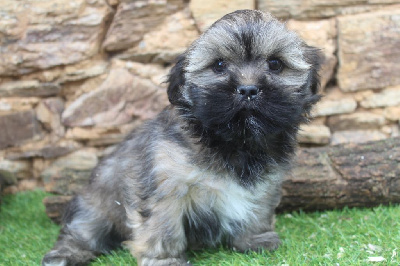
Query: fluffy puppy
[{"x": 208, "y": 169}]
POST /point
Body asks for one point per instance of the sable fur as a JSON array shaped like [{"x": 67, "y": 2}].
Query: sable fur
[{"x": 208, "y": 169}]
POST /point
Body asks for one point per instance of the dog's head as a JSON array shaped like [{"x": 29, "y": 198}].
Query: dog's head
[{"x": 247, "y": 76}]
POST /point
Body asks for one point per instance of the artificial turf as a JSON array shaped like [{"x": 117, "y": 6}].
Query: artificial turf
[{"x": 341, "y": 237}]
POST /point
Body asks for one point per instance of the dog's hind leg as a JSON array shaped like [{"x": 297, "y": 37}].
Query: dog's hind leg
[{"x": 85, "y": 235}]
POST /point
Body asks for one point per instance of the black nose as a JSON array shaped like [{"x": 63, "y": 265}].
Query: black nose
[{"x": 248, "y": 91}]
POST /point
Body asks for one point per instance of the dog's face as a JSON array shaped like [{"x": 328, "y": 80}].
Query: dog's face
[{"x": 246, "y": 77}]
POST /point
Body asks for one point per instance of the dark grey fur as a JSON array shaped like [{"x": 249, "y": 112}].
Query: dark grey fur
[{"x": 208, "y": 169}]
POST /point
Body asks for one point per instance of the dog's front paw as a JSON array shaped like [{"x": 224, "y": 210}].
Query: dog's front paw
[
  {"x": 67, "y": 256},
  {"x": 267, "y": 240},
  {"x": 163, "y": 262},
  {"x": 53, "y": 258}
]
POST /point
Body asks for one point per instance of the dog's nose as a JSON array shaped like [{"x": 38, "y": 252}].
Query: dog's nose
[{"x": 248, "y": 91}]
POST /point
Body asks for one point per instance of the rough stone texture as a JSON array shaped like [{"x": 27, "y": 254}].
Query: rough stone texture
[
  {"x": 388, "y": 97},
  {"x": 21, "y": 169},
  {"x": 155, "y": 72},
  {"x": 100, "y": 136},
  {"x": 9, "y": 105},
  {"x": 393, "y": 131},
  {"x": 18, "y": 127},
  {"x": 7, "y": 179},
  {"x": 73, "y": 90},
  {"x": 328, "y": 107},
  {"x": 43, "y": 149},
  {"x": 68, "y": 174},
  {"x": 28, "y": 184},
  {"x": 321, "y": 34},
  {"x": 206, "y": 12},
  {"x": 369, "y": 50},
  {"x": 165, "y": 41},
  {"x": 49, "y": 114},
  {"x": 361, "y": 95},
  {"x": 307, "y": 9},
  {"x": 133, "y": 19},
  {"x": 85, "y": 71},
  {"x": 28, "y": 88},
  {"x": 392, "y": 113},
  {"x": 360, "y": 120},
  {"x": 38, "y": 35},
  {"x": 314, "y": 134},
  {"x": 334, "y": 102},
  {"x": 356, "y": 136},
  {"x": 121, "y": 97}
]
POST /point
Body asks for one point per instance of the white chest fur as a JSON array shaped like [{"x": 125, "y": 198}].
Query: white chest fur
[
  {"x": 228, "y": 200},
  {"x": 203, "y": 191}
]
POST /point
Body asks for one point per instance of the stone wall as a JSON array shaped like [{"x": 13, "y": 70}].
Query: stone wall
[{"x": 76, "y": 76}]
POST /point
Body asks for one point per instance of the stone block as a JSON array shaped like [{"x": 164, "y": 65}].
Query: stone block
[
  {"x": 28, "y": 88},
  {"x": 369, "y": 50},
  {"x": 358, "y": 120},
  {"x": 69, "y": 174},
  {"x": 100, "y": 136},
  {"x": 7, "y": 179},
  {"x": 83, "y": 71},
  {"x": 18, "y": 127},
  {"x": 11, "y": 104},
  {"x": 392, "y": 113},
  {"x": 28, "y": 185},
  {"x": 21, "y": 169},
  {"x": 119, "y": 99},
  {"x": 313, "y": 9},
  {"x": 385, "y": 98},
  {"x": 44, "y": 149},
  {"x": 48, "y": 112},
  {"x": 164, "y": 42},
  {"x": 328, "y": 107},
  {"x": 206, "y": 12},
  {"x": 314, "y": 134},
  {"x": 38, "y": 35},
  {"x": 155, "y": 72},
  {"x": 133, "y": 19},
  {"x": 321, "y": 34}
]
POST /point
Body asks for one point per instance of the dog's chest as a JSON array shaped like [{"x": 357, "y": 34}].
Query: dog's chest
[
  {"x": 211, "y": 201},
  {"x": 225, "y": 196},
  {"x": 216, "y": 206}
]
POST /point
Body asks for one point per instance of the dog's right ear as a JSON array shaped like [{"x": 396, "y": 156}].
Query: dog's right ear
[{"x": 176, "y": 80}]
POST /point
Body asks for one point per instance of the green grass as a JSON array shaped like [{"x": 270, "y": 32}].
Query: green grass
[
  {"x": 25, "y": 231},
  {"x": 342, "y": 237}
]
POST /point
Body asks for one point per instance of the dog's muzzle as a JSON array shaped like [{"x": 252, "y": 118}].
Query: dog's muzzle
[{"x": 248, "y": 92}]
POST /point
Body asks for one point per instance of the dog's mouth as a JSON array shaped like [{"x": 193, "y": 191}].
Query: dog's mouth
[{"x": 246, "y": 114}]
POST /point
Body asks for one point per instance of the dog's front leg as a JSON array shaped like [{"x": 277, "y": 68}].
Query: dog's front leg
[
  {"x": 260, "y": 234},
  {"x": 258, "y": 237},
  {"x": 256, "y": 242},
  {"x": 158, "y": 236}
]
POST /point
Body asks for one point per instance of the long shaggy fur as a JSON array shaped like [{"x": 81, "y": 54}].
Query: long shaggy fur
[{"x": 208, "y": 169}]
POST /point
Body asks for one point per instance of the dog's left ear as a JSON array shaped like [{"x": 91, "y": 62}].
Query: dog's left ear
[
  {"x": 315, "y": 58},
  {"x": 176, "y": 80}
]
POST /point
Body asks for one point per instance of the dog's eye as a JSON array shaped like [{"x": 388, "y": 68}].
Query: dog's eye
[
  {"x": 219, "y": 66},
  {"x": 275, "y": 65}
]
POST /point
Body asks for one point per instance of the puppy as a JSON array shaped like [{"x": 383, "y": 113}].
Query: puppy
[{"x": 208, "y": 169}]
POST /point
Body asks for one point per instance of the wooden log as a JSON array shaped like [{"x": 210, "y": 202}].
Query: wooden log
[
  {"x": 354, "y": 175},
  {"x": 55, "y": 207}
]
